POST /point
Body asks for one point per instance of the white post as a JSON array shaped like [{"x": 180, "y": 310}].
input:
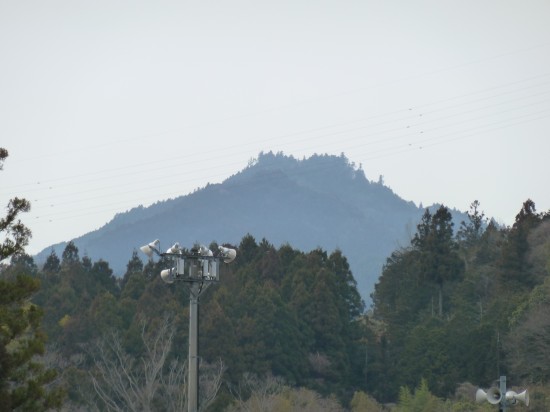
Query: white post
[
  {"x": 502, "y": 388},
  {"x": 193, "y": 381}
]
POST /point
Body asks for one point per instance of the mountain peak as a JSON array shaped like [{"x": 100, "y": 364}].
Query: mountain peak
[
  {"x": 323, "y": 173},
  {"x": 315, "y": 163},
  {"x": 321, "y": 201}
]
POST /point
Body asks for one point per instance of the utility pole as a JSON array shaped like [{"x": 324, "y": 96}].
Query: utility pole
[
  {"x": 193, "y": 384},
  {"x": 502, "y": 387},
  {"x": 199, "y": 269}
]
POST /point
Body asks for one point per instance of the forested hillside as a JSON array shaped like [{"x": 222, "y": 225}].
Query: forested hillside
[
  {"x": 323, "y": 201},
  {"x": 451, "y": 312},
  {"x": 469, "y": 305},
  {"x": 276, "y": 312}
]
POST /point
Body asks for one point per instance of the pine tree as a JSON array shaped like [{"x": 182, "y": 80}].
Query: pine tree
[
  {"x": 22, "y": 377},
  {"x": 515, "y": 268},
  {"x": 15, "y": 234},
  {"x": 440, "y": 262}
]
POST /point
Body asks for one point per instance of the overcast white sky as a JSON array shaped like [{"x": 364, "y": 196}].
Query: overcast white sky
[{"x": 106, "y": 105}]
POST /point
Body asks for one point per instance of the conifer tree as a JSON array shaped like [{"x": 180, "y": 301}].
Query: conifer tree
[
  {"x": 14, "y": 234},
  {"x": 515, "y": 268},
  {"x": 53, "y": 264},
  {"x": 22, "y": 377},
  {"x": 439, "y": 259}
]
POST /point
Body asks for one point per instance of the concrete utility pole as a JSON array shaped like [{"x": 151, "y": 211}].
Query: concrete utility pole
[
  {"x": 199, "y": 269},
  {"x": 193, "y": 385},
  {"x": 502, "y": 387}
]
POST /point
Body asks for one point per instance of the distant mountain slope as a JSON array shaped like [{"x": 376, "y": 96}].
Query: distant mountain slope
[{"x": 323, "y": 201}]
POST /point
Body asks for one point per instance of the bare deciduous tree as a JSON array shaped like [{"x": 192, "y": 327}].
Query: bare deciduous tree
[
  {"x": 254, "y": 394},
  {"x": 124, "y": 383},
  {"x": 210, "y": 381},
  {"x": 271, "y": 394},
  {"x": 528, "y": 346}
]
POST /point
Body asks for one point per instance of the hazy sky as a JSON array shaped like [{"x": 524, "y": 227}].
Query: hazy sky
[{"x": 107, "y": 105}]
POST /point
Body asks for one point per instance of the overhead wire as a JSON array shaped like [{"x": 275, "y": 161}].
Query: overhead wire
[
  {"x": 340, "y": 130},
  {"x": 388, "y": 151},
  {"x": 396, "y": 150},
  {"x": 372, "y": 155},
  {"x": 223, "y": 151},
  {"x": 343, "y": 93}
]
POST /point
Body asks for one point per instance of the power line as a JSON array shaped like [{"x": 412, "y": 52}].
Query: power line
[{"x": 222, "y": 152}]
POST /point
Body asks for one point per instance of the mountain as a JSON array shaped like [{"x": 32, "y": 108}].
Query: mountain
[{"x": 323, "y": 201}]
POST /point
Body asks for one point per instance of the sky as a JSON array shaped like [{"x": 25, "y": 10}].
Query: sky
[{"x": 107, "y": 105}]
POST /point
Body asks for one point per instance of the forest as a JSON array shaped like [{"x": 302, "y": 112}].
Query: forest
[{"x": 284, "y": 329}]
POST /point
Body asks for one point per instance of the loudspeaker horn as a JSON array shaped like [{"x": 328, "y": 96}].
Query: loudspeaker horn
[
  {"x": 513, "y": 397},
  {"x": 481, "y": 395},
  {"x": 151, "y": 248},
  {"x": 168, "y": 275},
  {"x": 228, "y": 254},
  {"x": 493, "y": 396}
]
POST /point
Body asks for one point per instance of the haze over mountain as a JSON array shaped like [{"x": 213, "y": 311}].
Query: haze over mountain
[{"x": 323, "y": 201}]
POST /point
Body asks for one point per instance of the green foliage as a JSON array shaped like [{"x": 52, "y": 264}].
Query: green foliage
[
  {"x": 14, "y": 233},
  {"x": 288, "y": 313},
  {"x": 272, "y": 394},
  {"x": 528, "y": 344},
  {"x": 275, "y": 312},
  {"x": 23, "y": 377},
  {"x": 421, "y": 401},
  {"x": 52, "y": 265},
  {"x": 361, "y": 402},
  {"x": 3, "y": 156},
  {"x": 515, "y": 268},
  {"x": 470, "y": 232},
  {"x": 445, "y": 310},
  {"x": 80, "y": 298},
  {"x": 437, "y": 251},
  {"x": 488, "y": 324}
]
